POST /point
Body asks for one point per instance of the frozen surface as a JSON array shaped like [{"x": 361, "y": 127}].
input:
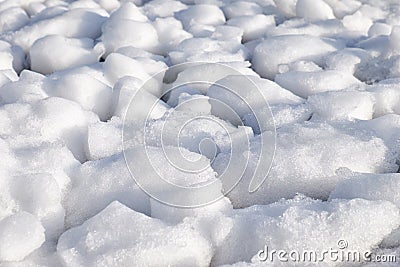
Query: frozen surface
[{"x": 197, "y": 132}]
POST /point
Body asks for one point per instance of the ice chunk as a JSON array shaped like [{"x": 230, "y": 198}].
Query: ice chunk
[
  {"x": 43, "y": 256},
  {"x": 314, "y": 10},
  {"x": 278, "y": 50},
  {"x": 199, "y": 76},
  {"x": 76, "y": 23},
  {"x": 370, "y": 187},
  {"x": 387, "y": 95},
  {"x": 87, "y": 4},
  {"x": 4, "y": 79},
  {"x": 393, "y": 45},
  {"x": 304, "y": 224},
  {"x": 174, "y": 175},
  {"x": 152, "y": 64},
  {"x": 208, "y": 50},
  {"x": 117, "y": 31},
  {"x": 128, "y": 11},
  {"x": 64, "y": 119},
  {"x": 28, "y": 88},
  {"x": 170, "y": 34},
  {"x": 136, "y": 53},
  {"x": 186, "y": 128},
  {"x": 296, "y": 168},
  {"x": 248, "y": 96},
  {"x": 326, "y": 28},
  {"x": 226, "y": 32},
  {"x": 39, "y": 195},
  {"x": 273, "y": 93},
  {"x": 305, "y": 84},
  {"x": 342, "y": 8},
  {"x": 175, "y": 96},
  {"x": 35, "y": 8},
  {"x": 347, "y": 60},
  {"x": 201, "y": 104},
  {"x": 104, "y": 139},
  {"x": 55, "y": 52},
  {"x": 117, "y": 66},
  {"x": 84, "y": 89},
  {"x": 108, "y": 5},
  {"x": 386, "y": 127},
  {"x": 162, "y": 8},
  {"x": 130, "y": 96},
  {"x": 253, "y": 26},
  {"x": 98, "y": 183},
  {"x": 12, "y": 19},
  {"x": 49, "y": 120},
  {"x": 20, "y": 235},
  {"x": 357, "y": 22},
  {"x": 379, "y": 28},
  {"x": 301, "y": 65},
  {"x": 140, "y": 239},
  {"x": 52, "y": 158},
  {"x": 343, "y": 105},
  {"x": 241, "y": 8},
  {"x": 286, "y": 7},
  {"x": 12, "y": 57},
  {"x": 201, "y": 14},
  {"x": 285, "y": 114}
]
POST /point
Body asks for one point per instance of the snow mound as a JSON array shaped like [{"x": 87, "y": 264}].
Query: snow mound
[
  {"x": 296, "y": 168},
  {"x": 54, "y": 52},
  {"x": 278, "y": 50},
  {"x": 197, "y": 132},
  {"x": 20, "y": 234},
  {"x": 370, "y": 187},
  {"x": 304, "y": 224},
  {"x": 305, "y": 84},
  {"x": 120, "y": 236}
]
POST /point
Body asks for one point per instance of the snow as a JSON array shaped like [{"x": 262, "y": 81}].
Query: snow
[
  {"x": 132, "y": 237},
  {"x": 370, "y": 187},
  {"x": 307, "y": 83},
  {"x": 55, "y": 52},
  {"x": 77, "y": 23},
  {"x": 278, "y": 50},
  {"x": 195, "y": 15},
  {"x": 197, "y": 132},
  {"x": 357, "y": 22},
  {"x": 253, "y": 26},
  {"x": 90, "y": 93},
  {"x": 12, "y": 19},
  {"x": 21, "y": 233},
  {"x": 313, "y": 10},
  {"x": 241, "y": 8},
  {"x": 343, "y": 105},
  {"x": 117, "y": 30},
  {"x": 302, "y": 224},
  {"x": 301, "y": 164}
]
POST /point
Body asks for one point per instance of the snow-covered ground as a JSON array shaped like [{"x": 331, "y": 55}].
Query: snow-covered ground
[{"x": 199, "y": 132}]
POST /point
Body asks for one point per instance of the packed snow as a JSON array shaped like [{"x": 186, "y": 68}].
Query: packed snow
[{"x": 199, "y": 132}]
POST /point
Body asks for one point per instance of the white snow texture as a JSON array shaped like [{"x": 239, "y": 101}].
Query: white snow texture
[{"x": 100, "y": 98}]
